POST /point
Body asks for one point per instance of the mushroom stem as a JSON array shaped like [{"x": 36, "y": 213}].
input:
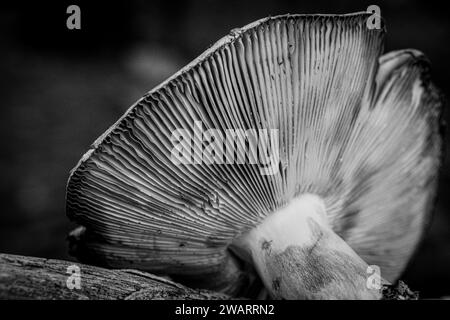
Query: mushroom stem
[{"x": 298, "y": 256}]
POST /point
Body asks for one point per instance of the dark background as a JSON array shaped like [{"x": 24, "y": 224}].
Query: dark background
[{"x": 61, "y": 88}]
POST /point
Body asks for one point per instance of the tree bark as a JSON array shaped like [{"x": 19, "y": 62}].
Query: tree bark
[{"x": 38, "y": 278}]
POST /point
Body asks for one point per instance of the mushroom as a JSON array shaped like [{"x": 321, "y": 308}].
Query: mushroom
[{"x": 358, "y": 149}]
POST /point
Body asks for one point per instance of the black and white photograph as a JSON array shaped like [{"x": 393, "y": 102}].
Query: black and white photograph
[{"x": 241, "y": 152}]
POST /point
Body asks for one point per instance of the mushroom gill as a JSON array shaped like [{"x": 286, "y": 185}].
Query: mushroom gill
[{"x": 358, "y": 146}]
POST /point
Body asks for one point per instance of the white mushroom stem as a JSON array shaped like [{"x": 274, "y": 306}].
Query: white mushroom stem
[{"x": 298, "y": 256}]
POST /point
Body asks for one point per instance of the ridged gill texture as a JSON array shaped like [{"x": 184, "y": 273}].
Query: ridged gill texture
[{"x": 356, "y": 128}]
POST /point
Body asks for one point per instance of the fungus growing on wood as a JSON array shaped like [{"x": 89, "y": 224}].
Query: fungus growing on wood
[{"x": 358, "y": 150}]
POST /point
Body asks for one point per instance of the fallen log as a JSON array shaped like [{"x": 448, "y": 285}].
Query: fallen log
[{"x": 24, "y": 277}]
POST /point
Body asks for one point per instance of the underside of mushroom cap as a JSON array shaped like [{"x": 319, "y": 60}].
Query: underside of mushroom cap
[{"x": 355, "y": 129}]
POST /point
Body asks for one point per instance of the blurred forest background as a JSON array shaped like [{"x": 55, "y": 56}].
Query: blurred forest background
[{"x": 62, "y": 88}]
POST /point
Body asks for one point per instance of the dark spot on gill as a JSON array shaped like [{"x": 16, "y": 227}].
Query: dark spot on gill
[
  {"x": 281, "y": 167},
  {"x": 266, "y": 246},
  {"x": 213, "y": 242}
]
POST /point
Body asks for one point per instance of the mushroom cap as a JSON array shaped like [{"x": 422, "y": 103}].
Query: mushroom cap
[{"x": 358, "y": 129}]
